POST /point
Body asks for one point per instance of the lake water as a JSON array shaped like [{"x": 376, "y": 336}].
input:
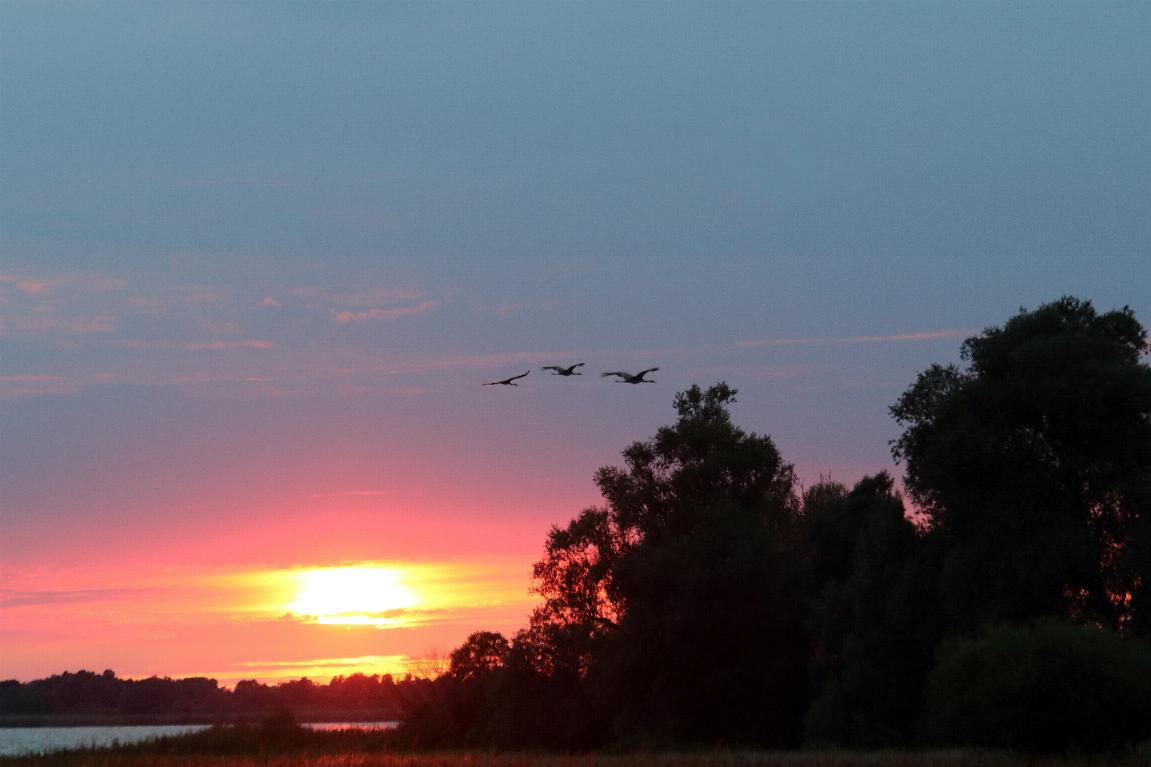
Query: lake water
[{"x": 31, "y": 740}]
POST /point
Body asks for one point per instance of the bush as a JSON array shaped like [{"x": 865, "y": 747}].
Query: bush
[{"x": 1048, "y": 688}]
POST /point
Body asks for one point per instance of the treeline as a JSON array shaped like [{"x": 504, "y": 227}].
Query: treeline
[
  {"x": 713, "y": 600},
  {"x": 92, "y": 697}
]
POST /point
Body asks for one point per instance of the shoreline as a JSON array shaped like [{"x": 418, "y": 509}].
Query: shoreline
[{"x": 304, "y": 716}]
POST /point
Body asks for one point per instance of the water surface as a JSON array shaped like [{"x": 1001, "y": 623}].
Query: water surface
[{"x": 31, "y": 740}]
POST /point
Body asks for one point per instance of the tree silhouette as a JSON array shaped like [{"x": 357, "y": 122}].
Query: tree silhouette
[
  {"x": 870, "y": 614},
  {"x": 481, "y": 654},
  {"x": 1031, "y": 465},
  {"x": 675, "y": 600}
]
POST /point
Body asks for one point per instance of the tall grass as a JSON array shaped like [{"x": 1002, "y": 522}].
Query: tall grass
[{"x": 120, "y": 757}]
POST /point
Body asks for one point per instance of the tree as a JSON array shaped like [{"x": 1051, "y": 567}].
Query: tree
[
  {"x": 482, "y": 653},
  {"x": 676, "y": 601},
  {"x": 1031, "y": 464},
  {"x": 869, "y": 614}
]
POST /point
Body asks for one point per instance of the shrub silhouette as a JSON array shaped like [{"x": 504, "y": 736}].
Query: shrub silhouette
[{"x": 1048, "y": 688}]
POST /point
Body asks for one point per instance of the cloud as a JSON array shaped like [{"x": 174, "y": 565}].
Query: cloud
[
  {"x": 193, "y": 346},
  {"x": 362, "y": 660},
  {"x": 376, "y": 296},
  {"x": 31, "y": 378},
  {"x": 928, "y": 335},
  {"x": 35, "y": 286},
  {"x": 398, "y": 618},
  {"x": 353, "y": 494},
  {"x": 42, "y": 324},
  {"x": 250, "y": 343},
  {"x": 12, "y": 598},
  {"x": 65, "y": 304},
  {"x": 366, "y": 297},
  {"x": 378, "y": 313}
]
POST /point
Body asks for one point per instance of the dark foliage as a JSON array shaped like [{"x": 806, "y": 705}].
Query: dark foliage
[
  {"x": 1048, "y": 688},
  {"x": 870, "y": 615},
  {"x": 1032, "y": 465}
]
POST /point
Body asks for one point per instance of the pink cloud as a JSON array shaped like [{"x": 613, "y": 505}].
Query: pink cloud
[
  {"x": 35, "y": 287},
  {"x": 196, "y": 346},
  {"x": 376, "y": 296},
  {"x": 43, "y": 286},
  {"x": 69, "y": 325},
  {"x": 35, "y": 385},
  {"x": 928, "y": 335},
  {"x": 353, "y": 494},
  {"x": 251, "y": 343},
  {"x": 378, "y": 313},
  {"x": 29, "y": 378}
]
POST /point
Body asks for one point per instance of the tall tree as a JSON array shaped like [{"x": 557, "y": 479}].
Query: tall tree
[
  {"x": 681, "y": 588},
  {"x": 870, "y": 614},
  {"x": 1032, "y": 466}
]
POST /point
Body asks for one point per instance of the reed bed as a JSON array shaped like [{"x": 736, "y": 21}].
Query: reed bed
[{"x": 119, "y": 758}]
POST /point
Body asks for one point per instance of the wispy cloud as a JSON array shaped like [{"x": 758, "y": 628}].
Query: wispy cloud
[
  {"x": 192, "y": 346},
  {"x": 12, "y": 598},
  {"x": 378, "y": 313},
  {"x": 927, "y": 335},
  {"x": 376, "y": 296},
  {"x": 69, "y": 304},
  {"x": 352, "y": 494},
  {"x": 362, "y": 660},
  {"x": 41, "y": 286},
  {"x": 41, "y": 324},
  {"x": 364, "y": 297},
  {"x": 314, "y": 668},
  {"x": 248, "y": 343},
  {"x": 382, "y": 620}
]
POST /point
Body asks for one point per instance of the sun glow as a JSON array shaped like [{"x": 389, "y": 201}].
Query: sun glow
[{"x": 353, "y": 596}]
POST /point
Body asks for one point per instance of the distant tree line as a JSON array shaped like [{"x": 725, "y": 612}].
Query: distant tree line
[
  {"x": 713, "y": 600},
  {"x": 88, "y": 696}
]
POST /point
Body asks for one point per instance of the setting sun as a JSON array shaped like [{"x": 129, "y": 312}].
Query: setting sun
[{"x": 353, "y": 596}]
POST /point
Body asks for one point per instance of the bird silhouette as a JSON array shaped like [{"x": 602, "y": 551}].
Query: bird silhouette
[
  {"x": 561, "y": 371},
  {"x": 631, "y": 378},
  {"x": 507, "y": 381}
]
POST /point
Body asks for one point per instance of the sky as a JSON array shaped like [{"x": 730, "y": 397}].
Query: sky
[{"x": 258, "y": 258}]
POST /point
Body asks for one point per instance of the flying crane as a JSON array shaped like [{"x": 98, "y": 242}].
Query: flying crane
[
  {"x": 631, "y": 378},
  {"x": 562, "y": 371},
  {"x": 507, "y": 381}
]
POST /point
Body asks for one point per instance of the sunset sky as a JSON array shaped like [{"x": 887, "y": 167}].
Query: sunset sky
[{"x": 257, "y": 259}]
